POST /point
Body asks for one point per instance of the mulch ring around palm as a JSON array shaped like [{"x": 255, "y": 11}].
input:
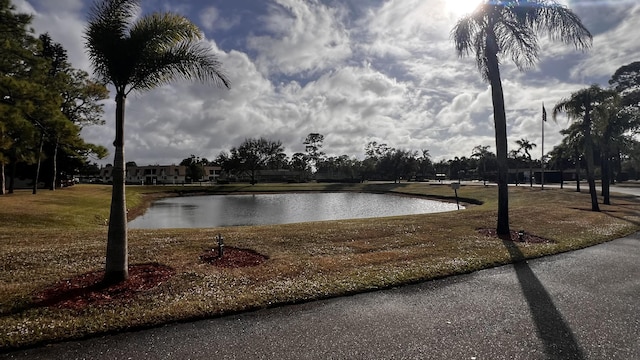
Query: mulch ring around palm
[
  {"x": 232, "y": 257},
  {"x": 515, "y": 236},
  {"x": 89, "y": 289}
]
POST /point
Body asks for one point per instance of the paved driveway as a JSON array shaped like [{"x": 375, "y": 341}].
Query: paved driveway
[{"x": 579, "y": 305}]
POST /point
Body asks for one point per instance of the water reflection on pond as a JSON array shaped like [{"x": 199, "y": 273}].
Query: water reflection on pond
[{"x": 262, "y": 209}]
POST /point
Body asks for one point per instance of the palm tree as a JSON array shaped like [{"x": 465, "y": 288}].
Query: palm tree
[
  {"x": 607, "y": 119},
  {"x": 515, "y": 155},
  {"x": 140, "y": 54},
  {"x": 613, "y": 124},
  {"x": 481, "y": 152},
  {"x": 510, "y": 28},
  {"x": 580, "y": 105},
  {"x": 525, "y": 145}
]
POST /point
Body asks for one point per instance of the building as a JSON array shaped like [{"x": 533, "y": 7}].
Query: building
[
  {"x": 211, "y": 173},
  {"x": 159, "y": 174}
]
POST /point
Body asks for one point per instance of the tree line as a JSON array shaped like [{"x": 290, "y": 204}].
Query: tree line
[
  {"x": 44, "y": 104},
  {"x": 255, "y": 156},
  {"x": 380, "y": 162}
]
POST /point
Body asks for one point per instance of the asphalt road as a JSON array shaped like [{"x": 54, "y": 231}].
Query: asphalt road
[
  {"x": 579, "y": 305},
  {"x": 631, "y": 190}
]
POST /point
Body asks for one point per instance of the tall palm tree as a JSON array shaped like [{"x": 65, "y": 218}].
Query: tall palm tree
[
  {"x": 140, "y": 54},
  {"x": 580, "y": 106},
  {"x": 606, "y": 118},
  {"x": 525, "y": 146},
  {"x": 613, "y": 123},
  {"x": 510, "y": 28}
]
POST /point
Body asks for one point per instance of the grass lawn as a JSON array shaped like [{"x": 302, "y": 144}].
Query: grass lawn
[{"x": 51, "y": 236}]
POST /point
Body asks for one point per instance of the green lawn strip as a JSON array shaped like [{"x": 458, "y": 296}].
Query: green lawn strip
[{"x": 306, "y": 261}]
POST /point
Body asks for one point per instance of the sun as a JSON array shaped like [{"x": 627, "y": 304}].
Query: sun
[{"x": 460, "y": 8}]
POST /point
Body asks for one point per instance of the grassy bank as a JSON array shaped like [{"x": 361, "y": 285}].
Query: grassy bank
[{"x": 57, "y": 235}]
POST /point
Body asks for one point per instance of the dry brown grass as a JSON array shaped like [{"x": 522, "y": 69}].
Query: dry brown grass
[{"x": 53, "y": 236}]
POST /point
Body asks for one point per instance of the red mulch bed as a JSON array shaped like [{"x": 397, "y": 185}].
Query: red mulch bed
[
  {"x": 88, "y": 289},
  {"x": 233, "y": 258},
  {"x": 515, "y": 237}
]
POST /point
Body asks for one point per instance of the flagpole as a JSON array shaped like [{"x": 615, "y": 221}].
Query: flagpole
[{"x": 544, "y": 119}]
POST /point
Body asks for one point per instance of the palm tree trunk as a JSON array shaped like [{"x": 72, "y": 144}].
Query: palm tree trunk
[
  {"x": 500, "y": 123},
  {"x": 37, "y": 177},
  {"x": 117, "y": 267},
  {"x": 588, "y": 149}
]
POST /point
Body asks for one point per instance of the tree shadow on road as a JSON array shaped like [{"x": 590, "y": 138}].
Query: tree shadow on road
[{"x": 558, "y": 338}]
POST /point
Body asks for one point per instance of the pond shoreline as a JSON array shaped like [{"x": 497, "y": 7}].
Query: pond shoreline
[{"x": 149, "y": 198}]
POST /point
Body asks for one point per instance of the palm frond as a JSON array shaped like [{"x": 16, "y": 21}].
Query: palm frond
[
  {"x": 515, "y": 24},
  {"x": 469, "y": 36},
  {"x": 186, "y": 60},
  {"x": 169, "y": 48},
  {"x": 562, "y": 107},
  {"x": 114, "y": 14},
  {"x": 462, "y": 35},
  {"x": 517, "y": 41},
  {"x": 481, "y": 54},
  {"x": 577, "y": 104},
  {"x": 560, "y": 24},
  {"x": 163, "y": 30},
  {"x": 106, "y": 34},
  {"x": 149, "y": 52}
]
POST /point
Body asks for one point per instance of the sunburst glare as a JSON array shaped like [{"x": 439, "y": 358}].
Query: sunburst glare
[{"x": 462, "y": 7}]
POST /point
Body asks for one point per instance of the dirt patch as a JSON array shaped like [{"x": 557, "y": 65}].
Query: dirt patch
[
  {"x": 233, "y": 258},
  {"x": 89, "y": 289},
  {"x": 515, "y": 236}
]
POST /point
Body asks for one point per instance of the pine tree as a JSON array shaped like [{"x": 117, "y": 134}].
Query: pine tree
[{"x": 18, "y": 68}]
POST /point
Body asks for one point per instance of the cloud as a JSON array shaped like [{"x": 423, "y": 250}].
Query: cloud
[
  {"x": 211, "y": 19},
  {"x": 300, "y": 36},
  {"x": 64, "y": 22},
  {"x": 72, "y": 6},
  {"x": 355, "y": 71},
  {"x": 612, "y": 49}
]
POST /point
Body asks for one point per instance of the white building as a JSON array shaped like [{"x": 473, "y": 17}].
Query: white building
[{"x": 159, "y": 174}]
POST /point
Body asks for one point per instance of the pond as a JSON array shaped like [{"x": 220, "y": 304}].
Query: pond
[{"x": 266, "y": 209}]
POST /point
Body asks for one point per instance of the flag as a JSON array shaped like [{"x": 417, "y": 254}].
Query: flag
[{"x": 544, "y": 113}]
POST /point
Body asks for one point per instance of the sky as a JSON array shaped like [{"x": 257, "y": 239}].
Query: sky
[{"x": 355, "y": 71}]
